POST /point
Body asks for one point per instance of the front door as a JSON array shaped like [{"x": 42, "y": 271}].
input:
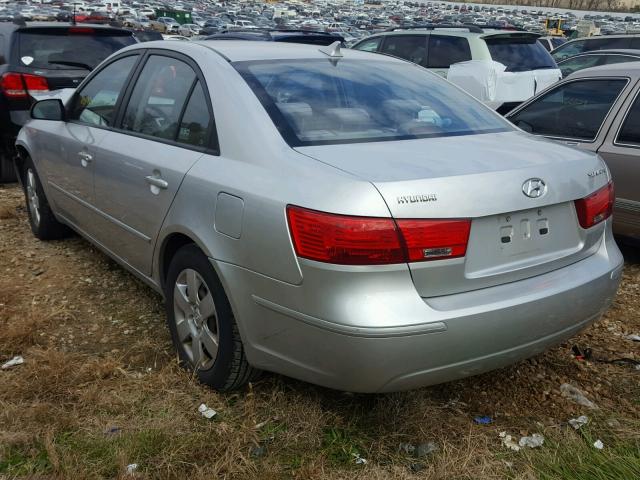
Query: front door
[{"x": 89, "y": 118}]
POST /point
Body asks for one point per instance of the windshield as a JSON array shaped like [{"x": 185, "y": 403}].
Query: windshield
[
  {"x": 316, "y": 102},
  {"x": 520, "y": 54},
  {"x": 63, "y": 51}
]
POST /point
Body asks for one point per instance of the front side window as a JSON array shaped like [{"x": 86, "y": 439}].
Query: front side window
[
  {"x": 568, "y": 50},
  {"x": 158, "y": 98},
  {"x": 574, "y": 110},
  {"x": 519, "y": 54},
  {"x": 316, "y": 102},
  {"x": 573, "y": 64},
  {"x": 95, "y": 104},
  {"x": 630, "y": 132},
  {"x": 369, "y": 45},
  {"x": 444, "y": 51},
  {"x": 407, "y": 47}
]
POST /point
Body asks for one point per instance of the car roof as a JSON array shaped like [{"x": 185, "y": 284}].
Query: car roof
[
  {"x": 605, "y": 37},
  {"x": 246, "y": 50},
  {"x": 630, "y": 69},
  {"x": 11, "y": 27},
  {"x": 611, "y": 51},
  {"x": 455, "y": 32}
]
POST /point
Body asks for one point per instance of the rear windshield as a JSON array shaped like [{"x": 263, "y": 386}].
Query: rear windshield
[
  {"x": 61, "y": 49},
  {"x": 520, "y": 54},
  {"x": 318, "y": 102}
]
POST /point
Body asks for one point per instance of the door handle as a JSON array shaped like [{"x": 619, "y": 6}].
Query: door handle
[
  {"x": 85, "y": 158},
  {"x": 157, "y": 182}
]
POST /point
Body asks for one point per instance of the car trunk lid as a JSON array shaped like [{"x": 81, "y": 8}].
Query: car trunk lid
[{"x": 482, "y": 177}]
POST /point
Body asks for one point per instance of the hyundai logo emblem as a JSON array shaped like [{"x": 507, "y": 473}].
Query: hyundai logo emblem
[{"x": 534, "y": 188}]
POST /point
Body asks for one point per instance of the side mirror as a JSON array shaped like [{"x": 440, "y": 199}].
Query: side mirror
[{"x": 50, "y": 109}]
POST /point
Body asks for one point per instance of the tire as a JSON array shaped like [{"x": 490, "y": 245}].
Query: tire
[
  {"x": 7, "y": 172},
  {"x": 202, "y": 326},
  {"x": 44, "y": 224}
]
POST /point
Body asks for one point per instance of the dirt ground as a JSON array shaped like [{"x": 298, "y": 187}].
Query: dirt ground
[{"x": 100, "y": 390}]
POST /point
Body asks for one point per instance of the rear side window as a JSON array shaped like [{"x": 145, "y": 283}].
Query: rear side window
[
  {"x": 370, "y": 45},
  {"x": 520, "y": 54},
  {"x": 611, "y": 59},
  {"x": 574, "y": 110},
  {"x": 158, "y": 98},
  {"x": 409, "y": 47},
  {"x": 79, "y": 48},
  {"x": 2, "y": 57},
  {"x": 444, "y": 51},
  {"x": 196, "y": 121},
  {"x": 607, "y": 43},
  {"x": 95, "y": 104},
  {"x": 630, "y": 132}
]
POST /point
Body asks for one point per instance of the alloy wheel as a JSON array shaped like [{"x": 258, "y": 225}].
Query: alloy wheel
[{"x": 196, "y": 319}]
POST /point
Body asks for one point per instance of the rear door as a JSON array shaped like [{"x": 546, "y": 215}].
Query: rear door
[
  {"x": 165, "y": 126},
  {"x": 621, "y": 152},
  {"x": 74, "y": 148}
]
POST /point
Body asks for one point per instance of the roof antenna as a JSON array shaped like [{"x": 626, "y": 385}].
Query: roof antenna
[{"x": 332, "y": 51}]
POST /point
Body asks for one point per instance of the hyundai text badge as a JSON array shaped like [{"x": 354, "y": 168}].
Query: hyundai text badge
[{"x": 534, "y": 188}]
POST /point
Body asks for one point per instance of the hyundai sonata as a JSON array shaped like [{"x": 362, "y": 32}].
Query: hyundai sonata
[{"x": 340, "y": 217}]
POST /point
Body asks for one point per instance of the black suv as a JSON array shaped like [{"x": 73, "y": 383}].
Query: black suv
[
  {"x": 36, "y": 57},
  {"x": 275, "y": 35}
]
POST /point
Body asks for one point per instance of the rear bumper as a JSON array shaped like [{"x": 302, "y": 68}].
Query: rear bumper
[{"x": 381, "y": 336}]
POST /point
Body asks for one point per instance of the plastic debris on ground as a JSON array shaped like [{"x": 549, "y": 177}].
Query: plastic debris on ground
[
  {"x": 206, "y": 411},
  {"x": 534, "y": 441},
  {"x": 258, "y": 451},
  {"x": 407, "y": 448},
  {"x": 634, "y": 338},
  {"x": 13, "y": 362},
  {"x": 576, "y": 395},
  {"x": 484, "y": 420},
  {"x": 580, "y": 354},
  {"x": 576, "y": 423},
  {"x": 509, "y": 442},
  {"x": 112, "y": 431},
  {"x": 598, "y": 444},
  {"x": 359, "y": 460},
  {"x": 427, "y": 448},
  {"x": 131, "y": 468}
]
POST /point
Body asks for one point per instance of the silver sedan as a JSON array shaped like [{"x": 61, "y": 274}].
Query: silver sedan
[{"x": 341, "y": 217}]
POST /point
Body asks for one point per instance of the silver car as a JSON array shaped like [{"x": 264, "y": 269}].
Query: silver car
[{"x": 341, "y": 217}]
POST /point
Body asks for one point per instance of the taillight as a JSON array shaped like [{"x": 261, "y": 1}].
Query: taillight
[
  {"x": 330, "y": 238},
  {"x": 435, "y": 239},
  {"x": 347, "y": 240},
  {"x": 596, "y": 207},
  {"x": 18, "y": 85}
]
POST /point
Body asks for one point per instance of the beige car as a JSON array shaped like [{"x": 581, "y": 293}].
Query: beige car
[{"x": 596, "y": 109}]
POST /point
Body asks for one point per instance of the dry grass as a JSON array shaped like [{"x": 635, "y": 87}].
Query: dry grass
[{"x": 100, "y": 389}]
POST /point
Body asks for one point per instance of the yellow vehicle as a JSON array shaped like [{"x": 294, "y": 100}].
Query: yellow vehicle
[{"x": 553, "y": 26}]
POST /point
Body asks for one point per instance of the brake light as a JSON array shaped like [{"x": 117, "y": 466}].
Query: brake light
[
  {"x": 18, "y": 85},
  {"x": 347, "y": 240},
  {"x": 597, "y": 207}
]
